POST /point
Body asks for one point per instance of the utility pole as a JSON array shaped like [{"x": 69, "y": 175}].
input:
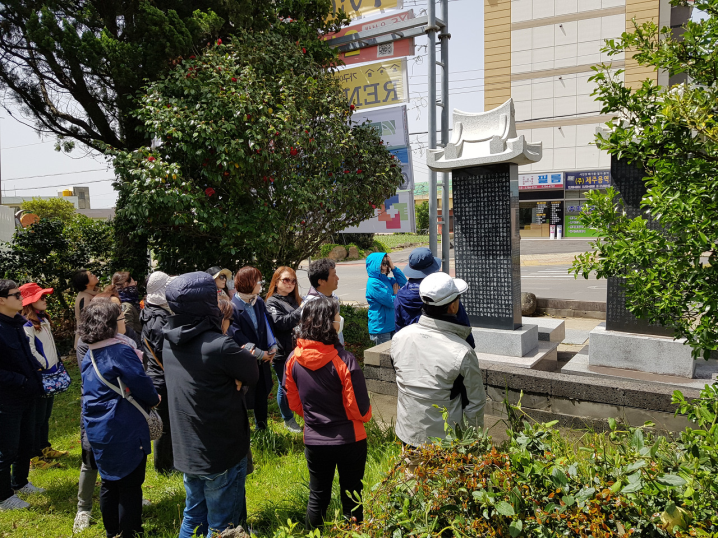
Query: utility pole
[
  {"x": 444, "y": 38},
  {"x": 433, "y": 210}
]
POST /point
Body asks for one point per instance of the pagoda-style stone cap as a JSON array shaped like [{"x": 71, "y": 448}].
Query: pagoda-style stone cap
[{"x": 484, "y": 138}]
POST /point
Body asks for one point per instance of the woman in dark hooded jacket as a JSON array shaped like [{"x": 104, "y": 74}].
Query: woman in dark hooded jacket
[
  {"x": 154, "y": 319},
  {"x": 283, "y": 307}
]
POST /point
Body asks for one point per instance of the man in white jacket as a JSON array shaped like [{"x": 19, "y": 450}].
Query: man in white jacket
[{"x": 435, "y": 365}]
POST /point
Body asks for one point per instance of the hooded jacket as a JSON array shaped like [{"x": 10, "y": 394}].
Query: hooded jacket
[
  {"x": 380, "y": 294},
  {"x": 20, "y": 377},
  {"x": 154, "y": 319},
  {"x": 208, "y": 417},
  {"x": 429, "y": 358},
  {"x": 326, "y": 386},
  {"x": 408, "y": 304},
  {"x": 285, "y": 314}
]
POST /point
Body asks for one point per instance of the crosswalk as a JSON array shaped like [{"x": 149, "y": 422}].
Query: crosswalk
[{"x": 555, "y": 273}]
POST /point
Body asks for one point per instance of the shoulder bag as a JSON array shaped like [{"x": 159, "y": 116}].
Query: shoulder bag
[{"x": 154, "y": 421}]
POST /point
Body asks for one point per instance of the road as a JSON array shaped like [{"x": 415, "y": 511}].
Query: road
[{"x": 544, "y": 272}]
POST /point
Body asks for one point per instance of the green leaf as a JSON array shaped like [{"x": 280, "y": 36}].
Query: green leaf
[
  {"x": 612, "y": 423},
  {"x": 504, "y": 508},
  {"x": 515, "y": 528},
  {"x": 558, "y": 477},
  {"x": 671, "y": 480},
  {"x": 636, "y": 466}
]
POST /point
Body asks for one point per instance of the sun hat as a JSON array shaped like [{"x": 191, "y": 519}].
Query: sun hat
[
  {"x": 216, "y": 271},
  {"x": 422, "y": 263},
  {"x": 440, "y": 289},
  {"x": 31, "y": 292},
  {"x": 156, "y": 287}
]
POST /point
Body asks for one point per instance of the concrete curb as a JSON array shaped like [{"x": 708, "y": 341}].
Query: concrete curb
[{"x": 569, "y": 308}]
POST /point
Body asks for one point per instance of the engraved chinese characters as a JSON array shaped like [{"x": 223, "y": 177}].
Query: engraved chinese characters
[{"x": 487, "y": 244}]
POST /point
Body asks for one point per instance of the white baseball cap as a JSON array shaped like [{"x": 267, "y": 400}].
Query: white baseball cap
[{"x": 440, "y": 289}]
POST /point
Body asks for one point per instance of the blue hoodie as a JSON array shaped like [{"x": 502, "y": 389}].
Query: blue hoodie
[{"x": 380, "y": 294}]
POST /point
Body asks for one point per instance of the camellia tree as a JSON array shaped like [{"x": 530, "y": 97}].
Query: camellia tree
[
  {"x": 257, "y": 159},
  {"x": 671, "y": 271}
]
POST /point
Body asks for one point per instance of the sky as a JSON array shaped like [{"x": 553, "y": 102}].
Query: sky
[{"x": 29, "y": 165}]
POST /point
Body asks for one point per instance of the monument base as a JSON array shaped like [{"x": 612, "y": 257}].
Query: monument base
[
  {"x": 506, "y": 342},
  {"x": 646, "y": 353},
  {"x": 549, "y": 329},
  {"x": 543, "y": 357}
]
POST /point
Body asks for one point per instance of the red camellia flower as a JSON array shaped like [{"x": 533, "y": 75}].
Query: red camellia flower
[
  {"x": 276, "y": 134},
  {"x": 304, "y": 51},
  {"x": 219, "y": 41},
  {"x": 330, "y": 174},
  {"x": 373, "y": 206},
  {"x": 293, "y": 151},
  {"x": 351, "y": 107},
  {"x": 249, "y": 117},
  {"x": 192, "y": 57},
  {"x": 150, "y": 158},
  {"x": 234, "y": 79},
  {"x": 359, "y": 171},
  {"x": 209, "y": 191},
  {"x": 346, "y": 172},
  {"x": 226, "y": 173}
]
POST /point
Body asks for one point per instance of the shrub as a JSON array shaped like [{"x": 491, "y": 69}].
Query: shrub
[
  {"x": 356, "y": 330},
  {"x": 380, "y": 247},
  {"x": 629, "y": 482},
  {"x": 422, "y": 218},
  {"x": 325, "y": 249},
  {"x": 362, "y": 241}
]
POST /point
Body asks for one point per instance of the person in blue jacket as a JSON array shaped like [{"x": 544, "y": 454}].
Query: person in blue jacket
[
  {"x": 117, "y": 431},
  {"x": 407, "y": 304},
  {"x": 380, "y": 293}
]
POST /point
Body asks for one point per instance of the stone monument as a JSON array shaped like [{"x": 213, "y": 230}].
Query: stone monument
[{"x": 483, "y": 156}]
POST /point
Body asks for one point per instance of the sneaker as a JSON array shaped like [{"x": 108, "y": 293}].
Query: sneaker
[
  {"x": 30, "y": 489},
  {"x": 292, "y": 425},
  {"x": 50, "y": 453},
  {"x": 37, "y": 463},
  {"x": 82, "y": 521},
  {"x": 13, "y": 502}
]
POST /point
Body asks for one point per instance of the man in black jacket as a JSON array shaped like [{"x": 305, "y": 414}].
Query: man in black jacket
[
  {"x": 20, "y": 385},
  {"x": 204, "y": 371}
]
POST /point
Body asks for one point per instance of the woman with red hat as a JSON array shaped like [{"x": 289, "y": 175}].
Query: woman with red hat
[{"x": 42, "y": 344}]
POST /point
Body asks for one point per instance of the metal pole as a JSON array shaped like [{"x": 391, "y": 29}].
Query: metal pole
[
  {"x": 433, "y": 213},
  {"x": 444, "y": 37}
]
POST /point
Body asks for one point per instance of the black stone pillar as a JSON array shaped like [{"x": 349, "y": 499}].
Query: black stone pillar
[
  {"x": 627, "y": 178},
  {"x": 486, "y": 240}
]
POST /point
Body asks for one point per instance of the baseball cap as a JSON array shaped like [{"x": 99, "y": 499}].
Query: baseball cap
[
  {"x": 441, "y": 289},
  {"x": 32, "y": 292},
  {"x": 422, "y": 263}
]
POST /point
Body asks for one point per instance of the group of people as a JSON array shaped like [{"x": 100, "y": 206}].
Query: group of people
[{"x": 198, "y": 351}]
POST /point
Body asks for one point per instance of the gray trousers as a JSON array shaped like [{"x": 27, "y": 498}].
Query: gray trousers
[{"x": 88, "y": 478}]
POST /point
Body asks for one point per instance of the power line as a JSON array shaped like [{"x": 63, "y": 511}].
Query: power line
[
  {"x": 59, "y": 185},
  {"x": 58, "y": 174},
  {"x": 26, "y": 145}
]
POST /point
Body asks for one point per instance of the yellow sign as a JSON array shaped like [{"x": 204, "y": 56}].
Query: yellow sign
[
  {"x": 359, "y": 8},
  {"x": 376, "y": 85}
]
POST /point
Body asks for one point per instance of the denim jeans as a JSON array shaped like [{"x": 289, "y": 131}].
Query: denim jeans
[
  {"x": 284, "y": 409},
  {"x": 215, "y": 502},
  {"x": 17, "y": 439},
  {"x": 381, "y": 338}
]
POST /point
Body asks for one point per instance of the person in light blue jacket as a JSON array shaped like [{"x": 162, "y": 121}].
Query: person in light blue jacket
[{"x": 380, "y": 294}]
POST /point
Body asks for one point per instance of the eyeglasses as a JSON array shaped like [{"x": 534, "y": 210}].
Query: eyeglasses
[
  {"x": 223, "y": 277},
  {"x": 16, "y": 295},
  {"x": 289, "y": 281}
]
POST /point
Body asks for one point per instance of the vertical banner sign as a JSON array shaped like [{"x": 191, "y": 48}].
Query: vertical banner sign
[
  {"x": 397, "y": 212},
  {"x": 397, "y": 49},
  {"x": 375, "y": 85},
  {"x": 359, "y": 8}
]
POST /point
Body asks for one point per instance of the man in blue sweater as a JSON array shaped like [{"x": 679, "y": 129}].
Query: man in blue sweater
[{"x": 407, "y": 305}]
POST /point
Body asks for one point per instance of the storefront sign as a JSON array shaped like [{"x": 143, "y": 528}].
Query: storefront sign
[
  {"x": 391, "y": 124},
  {"x": 396, "y": 49},
  {"x": 588, "y": 179},
  {"x": 376, "y": 85},
  {"x": 572, "y": 226},
  {"x": 549, "y": 213},
  {"x": 359, "y": 8},
  {"x": 552, "y": 180}
]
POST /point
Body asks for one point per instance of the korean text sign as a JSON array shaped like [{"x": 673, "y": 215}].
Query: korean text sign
[
  {"x": 588, "y": 179},
  {"x": 375, "y": 85}
]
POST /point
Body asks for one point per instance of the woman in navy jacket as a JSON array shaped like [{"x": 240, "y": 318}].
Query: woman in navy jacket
[
  {"x": 117, "y": 432},
  {"x": 250, "y": 324}
]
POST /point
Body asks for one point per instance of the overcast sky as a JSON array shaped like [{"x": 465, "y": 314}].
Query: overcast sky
[{"x": 30, "y": 165}]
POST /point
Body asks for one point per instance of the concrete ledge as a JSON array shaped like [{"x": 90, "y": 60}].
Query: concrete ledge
[
  {"x": 543, "y": 357},
  {"x": 505, "y": 342},
  {"x": 549, "y": 329},
  {"x": 378, "y": 356},
  {"x": 567, "y": 308},
  {"x": 646, "y": 353}
]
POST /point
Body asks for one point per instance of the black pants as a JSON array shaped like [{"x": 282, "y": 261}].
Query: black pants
[
  {"x": 17, "y": 439},
  {"x": 43, "y": 411},
  {"x": 350, "y": 460},
  {"x": 162, "y": 448},
  {"x": 121, "y": 504},
  {"x": 261, "y": 395}
]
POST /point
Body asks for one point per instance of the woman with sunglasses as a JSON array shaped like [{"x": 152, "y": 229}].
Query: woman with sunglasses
[
  {"x": 283, "y": 307},
  {"x": 250, "y": 324}
]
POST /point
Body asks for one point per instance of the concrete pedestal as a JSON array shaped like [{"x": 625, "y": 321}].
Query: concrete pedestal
[
  {"x": 549, "y": 329},
  {"x": 505, "y": 342},
  {"x": 645, "y": 353}
]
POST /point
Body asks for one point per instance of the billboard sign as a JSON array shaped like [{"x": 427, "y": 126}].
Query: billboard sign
[
  {"x": 572, "y": 226},
  {"x": 376, "y": 85},
  {"x": 588, "y": 179},
  {"x": 396, "y": 49},
  {"x": 360, "y": 8},
  {"x": 396, "y": 214},
  {"x": 390, "y": 123},
  {"x": 548, "y": 180},
  {"x": 404, "y": 156}
]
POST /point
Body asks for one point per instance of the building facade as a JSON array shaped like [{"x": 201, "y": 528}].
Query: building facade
[{"x": 541, "y": 53}]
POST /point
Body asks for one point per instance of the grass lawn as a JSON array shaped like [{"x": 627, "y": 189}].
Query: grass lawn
[
  {"x": 394, "y": 241},
  {"x": 276, "y": 491}
]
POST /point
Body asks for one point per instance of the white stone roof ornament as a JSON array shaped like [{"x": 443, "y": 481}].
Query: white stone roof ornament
[{"x": 484, "y": 138}]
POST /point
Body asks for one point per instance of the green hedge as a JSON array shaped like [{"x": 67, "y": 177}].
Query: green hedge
[{"x": 356, "y": 330}]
